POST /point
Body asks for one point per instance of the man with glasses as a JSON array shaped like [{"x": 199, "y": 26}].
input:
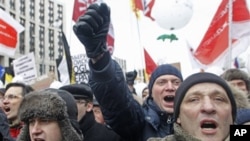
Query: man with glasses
[
  {"x": 14, "y": 93},
  {"x": 84, "y": 99}
]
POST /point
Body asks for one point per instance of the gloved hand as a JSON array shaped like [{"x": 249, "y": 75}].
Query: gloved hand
[
  {"x": 131, "y": 76},
  {"x": 92, "y": 29}
]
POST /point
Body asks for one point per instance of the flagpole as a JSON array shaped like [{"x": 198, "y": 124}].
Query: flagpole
[
  {"x": 141, "y": 49},
  {"x": 136, "y": 14},
  {"x": 230, "y": 19}
]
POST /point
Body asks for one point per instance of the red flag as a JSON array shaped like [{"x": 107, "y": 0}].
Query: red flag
[
  {"x": 9, "y": 30},
  {"x": 145, "y": 6},
  {"x": 149, "y": 62},
  {"x": 80, "y": 7},
  {"x": 214, "y": 45}
]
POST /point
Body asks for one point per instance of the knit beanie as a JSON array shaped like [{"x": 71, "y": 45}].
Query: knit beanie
[
  {"x": 164, "y": 69},
  {"x": 201, "y": 78},
  {"x": 243, "y": 116}
]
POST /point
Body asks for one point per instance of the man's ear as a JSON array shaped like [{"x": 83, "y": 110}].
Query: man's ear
[{"x": 178, "y": 120}]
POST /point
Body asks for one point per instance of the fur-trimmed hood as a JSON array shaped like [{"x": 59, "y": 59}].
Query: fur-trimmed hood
[
  {"x": 240, "y": 97},
  {"x": 47, "y": 105}
]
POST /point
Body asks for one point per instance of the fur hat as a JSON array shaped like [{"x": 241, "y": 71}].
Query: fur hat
[
  {"x": 163, "y": 70},
  {"x": 232, "y": 74},
  {"x": 48, "y": 105},
  {"x": 240, "y": 97},
  {"x": 201, "y": 78},
  {"x": 79, "y": 91},
  {"x": 71, "y": 107}
]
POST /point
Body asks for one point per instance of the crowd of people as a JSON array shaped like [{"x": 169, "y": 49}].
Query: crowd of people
[{"x": 200, "y": 107}]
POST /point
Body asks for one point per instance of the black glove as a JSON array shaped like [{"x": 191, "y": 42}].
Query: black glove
[
  {"x": 130, "y": 77},
  {"x": 92, "y": 29}
]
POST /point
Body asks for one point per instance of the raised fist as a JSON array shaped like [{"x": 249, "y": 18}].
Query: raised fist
[{"x": 92, "y": 29}]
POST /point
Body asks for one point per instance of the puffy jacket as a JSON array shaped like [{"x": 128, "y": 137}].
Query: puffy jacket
[{"x": 121, "y": 111}]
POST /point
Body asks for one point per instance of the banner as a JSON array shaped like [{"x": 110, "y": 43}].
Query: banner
[{"x": 9, "y": 31}]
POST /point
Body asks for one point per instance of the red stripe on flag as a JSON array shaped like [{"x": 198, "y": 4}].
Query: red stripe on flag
[
  {"x": 8, "y": 34},
  {"x": 149, "y": 62},
  {"x": 145, "y": 6},
  {"x": 215, "y": 42}
]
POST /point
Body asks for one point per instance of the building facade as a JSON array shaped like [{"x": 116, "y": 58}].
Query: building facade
[{"x": 43, "y": 22}]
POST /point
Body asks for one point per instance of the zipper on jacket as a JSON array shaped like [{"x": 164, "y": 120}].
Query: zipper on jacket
[{"x": 169, "y": 119}]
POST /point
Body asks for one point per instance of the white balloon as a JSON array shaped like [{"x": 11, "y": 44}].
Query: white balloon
[{"x": 172, "y": 14}]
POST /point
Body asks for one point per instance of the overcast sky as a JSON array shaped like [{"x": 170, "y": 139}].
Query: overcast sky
[{"x": 129, "y": 39}]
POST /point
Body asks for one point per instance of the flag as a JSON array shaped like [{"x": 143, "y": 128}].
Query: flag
[
  {"x": 236, "y": 63},
  {"x": 214, "y": 47},
  {"x": 64, "y": 64},
  {"x": 8, "y": 75},
  {"x": 80, "y": 7},
  {"x": 150, "y": 65},
  {"x": 62, "y": 71},
  {"x": 2, "y": 71},
  {"x": 9, "y": 30},
  {"x": 194, "y": 62},
  {"x": 144, "y": 5}
]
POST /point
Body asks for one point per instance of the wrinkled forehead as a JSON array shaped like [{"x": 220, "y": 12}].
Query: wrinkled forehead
[{"x": 206, "y": 89}]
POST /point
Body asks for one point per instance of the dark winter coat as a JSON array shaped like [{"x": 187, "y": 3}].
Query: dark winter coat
[
  {"x": 121, "y": 111},
  {"x": 4, "y": 128},
  {"x": 93, "y": 131}
]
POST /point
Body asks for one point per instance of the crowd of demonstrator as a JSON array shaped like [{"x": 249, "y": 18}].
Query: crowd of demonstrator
[{"x": 200, "y": 107}]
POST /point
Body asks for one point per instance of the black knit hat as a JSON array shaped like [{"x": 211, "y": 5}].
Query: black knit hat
[
  {"x": 79, "y": 91},
  {"x": 200, "y": 78},
  {"x": 163, "y": 70}
]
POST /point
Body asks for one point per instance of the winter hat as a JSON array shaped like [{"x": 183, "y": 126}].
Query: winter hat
[
  {"x": 232, "y": 74},
  {"x": 48, "y": 105},
  {"x": 79, "y": 91},
  {"x": 71, "y": 107},
  {"x": 163, "y": 70},
  {"x": 201, "y": 78},
  {"x": 243, "y": 116}
]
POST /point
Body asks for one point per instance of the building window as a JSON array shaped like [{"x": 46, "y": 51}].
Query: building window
[
  {"x": 41, "y": 11},
  {"x": 51, "y": 45},
  {"x": 32, "y": 37},
  {"x": 42, "y": 68},
  {"x": 60, "y": 45},
  {"x": 51, "y": 68},
  {"x": 22, "y": 7},
  {"x": 12, "y": 5},
  {"x": 41, "y": 42},
  {"x": 32, "y": 9},
  {"x": 22, "y": 38},
  {"x": 51, "y": 13}
]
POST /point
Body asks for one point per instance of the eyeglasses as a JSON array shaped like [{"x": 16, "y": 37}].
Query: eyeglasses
[{"x": 11, "y": 97}]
